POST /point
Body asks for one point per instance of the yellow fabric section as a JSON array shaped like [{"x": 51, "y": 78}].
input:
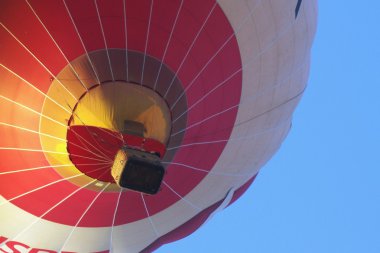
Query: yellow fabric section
[{"x": 110, "y": 104}]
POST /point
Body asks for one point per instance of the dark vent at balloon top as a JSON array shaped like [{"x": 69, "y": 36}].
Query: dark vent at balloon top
[{"x": 298, "y": 7}]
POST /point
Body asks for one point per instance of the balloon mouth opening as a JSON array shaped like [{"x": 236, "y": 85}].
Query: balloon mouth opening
[
  {"x": 101, "y": 117},
  {"x": 125, "y": 108},
  {"x": 111, "y": 119}
]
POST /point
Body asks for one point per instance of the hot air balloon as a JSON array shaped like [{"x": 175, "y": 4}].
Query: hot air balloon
[{"x": 126, "y": 124}]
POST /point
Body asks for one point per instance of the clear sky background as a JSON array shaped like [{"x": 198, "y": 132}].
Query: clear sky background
[{"x": 321, "y": 191}]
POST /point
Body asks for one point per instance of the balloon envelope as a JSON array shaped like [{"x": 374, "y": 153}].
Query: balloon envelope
[{"x": 215, "y": 82}]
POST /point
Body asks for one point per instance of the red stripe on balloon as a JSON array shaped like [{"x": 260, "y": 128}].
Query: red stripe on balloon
[
  {"x": 162, "y": 22},
  {"x": 42, "y": 200},
  {"x": 32, "y": 34},
  {"x": 16, "y": 115},
  {"x": 131, "y": 208},
  {"x": 56, "y": 19},
  {"x": 189, "y": 22},
  {"x": 182, "y": 179},
  {"x": 16, "y": 138},
  {"x": 20, "y": 61},
  {"x": 164, "y": 198},
  {"x": 104, "y": 207},
  {"x": 137, "y": 23},
  {"x": 13, "y": 185},
  {"x": 13, "y": 88},
  {"x": 70, "y": 211},
  {"x": 87, "y": 22},
  {"x": 112, "y": 17},
  {"x": 12, "y": 160}
]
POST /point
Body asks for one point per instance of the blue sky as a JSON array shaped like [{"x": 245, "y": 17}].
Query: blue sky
[{"x": 321, "y": 191}]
